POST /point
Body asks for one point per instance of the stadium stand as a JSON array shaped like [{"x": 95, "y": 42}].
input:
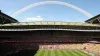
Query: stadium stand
[{"x": 23, "y": 37}]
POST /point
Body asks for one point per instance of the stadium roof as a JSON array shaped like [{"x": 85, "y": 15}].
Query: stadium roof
[
  {"x": 10, "y": 24},
  {"x": 94, "y": 20},
  {"x": 51, "y": 23},
  {"x": 6, "y": 19}
]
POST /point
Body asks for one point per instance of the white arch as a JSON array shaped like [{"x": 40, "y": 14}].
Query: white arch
[{"x": 52, "y": 2}]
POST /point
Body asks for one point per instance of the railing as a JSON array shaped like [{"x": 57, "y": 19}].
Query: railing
[
  {"x": 49, "y": 29},
  {"x": 40, "y": 41}
]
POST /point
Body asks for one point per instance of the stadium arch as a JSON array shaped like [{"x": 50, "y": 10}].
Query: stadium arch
[{"x": 52, "y": 2}]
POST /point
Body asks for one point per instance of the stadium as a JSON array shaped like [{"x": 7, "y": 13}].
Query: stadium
[{"x": 49, "y": 38}]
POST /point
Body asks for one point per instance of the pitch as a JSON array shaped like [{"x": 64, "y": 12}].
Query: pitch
[{"x": 61, "y": 53}]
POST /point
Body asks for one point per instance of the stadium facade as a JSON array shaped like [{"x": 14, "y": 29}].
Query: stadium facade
[{"x": 15, "y": 35}]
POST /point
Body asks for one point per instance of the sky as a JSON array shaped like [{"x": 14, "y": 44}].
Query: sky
[{"x": 50, "y": 12}]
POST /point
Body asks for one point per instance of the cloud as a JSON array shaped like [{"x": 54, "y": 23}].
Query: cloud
[{"x": 30, "y": 19}]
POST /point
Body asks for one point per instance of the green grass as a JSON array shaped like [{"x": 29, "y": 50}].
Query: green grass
[{"x": 61, "y": 53}]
